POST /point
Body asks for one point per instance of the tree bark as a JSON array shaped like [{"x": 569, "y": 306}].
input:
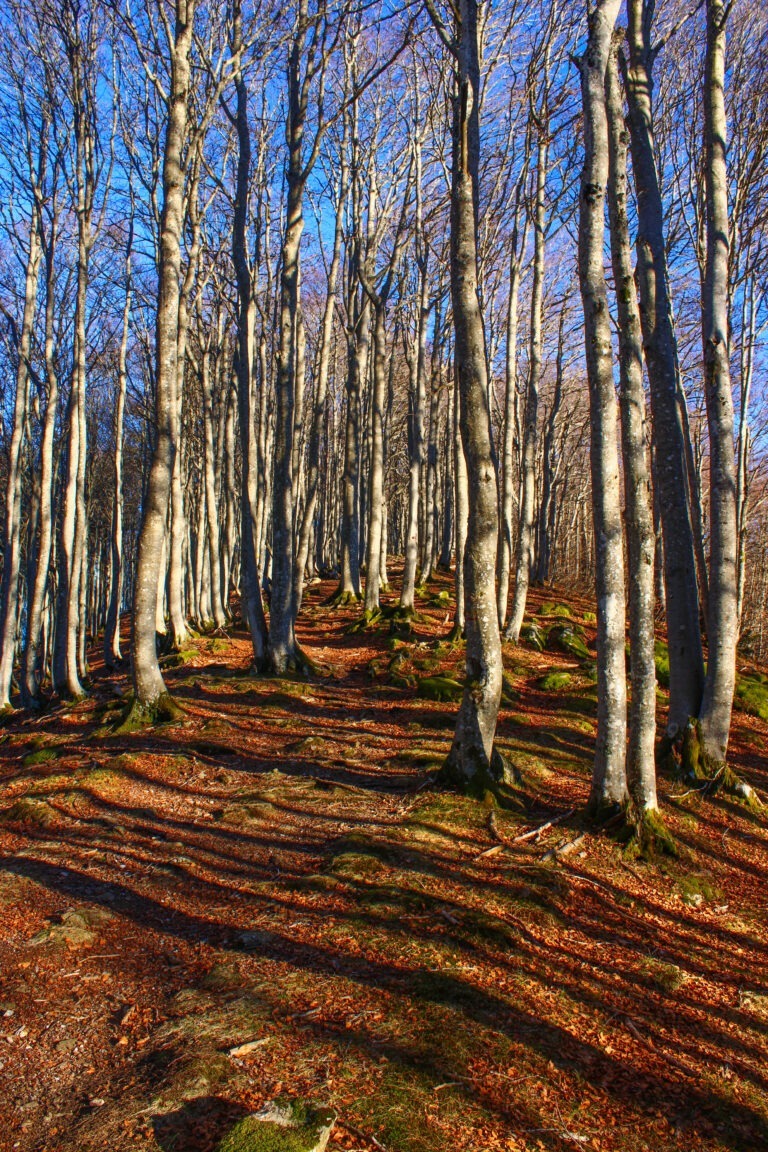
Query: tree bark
[
  {"x": 149, "y": 686},
  {"x": 609, "y": 786},
  {"x": 722, "y": 629},
  {"x": 641, "y": 765},
  {"x": 472, "y": 762},
  {"x": 683, "y": 630}
]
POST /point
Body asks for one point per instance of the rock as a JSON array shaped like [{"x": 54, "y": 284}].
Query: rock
[
  {"x": 76, "y": 929},
  {"x": 248, "y": 1047},
  {"x": 66, "y": 1045},
  {"x": 281, "y": 1126}
]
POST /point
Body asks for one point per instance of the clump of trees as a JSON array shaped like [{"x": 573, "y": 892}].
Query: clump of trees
[{"x": 292, "y": 289}]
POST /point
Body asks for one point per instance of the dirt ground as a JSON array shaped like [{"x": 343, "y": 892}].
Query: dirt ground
[{"x": 271, "y": 898}]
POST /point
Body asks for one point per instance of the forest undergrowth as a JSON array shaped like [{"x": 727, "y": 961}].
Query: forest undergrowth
[{"x": 269, "y": 897}]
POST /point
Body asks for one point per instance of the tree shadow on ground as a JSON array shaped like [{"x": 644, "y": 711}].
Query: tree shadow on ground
[{"x": 198, "y": 1125}]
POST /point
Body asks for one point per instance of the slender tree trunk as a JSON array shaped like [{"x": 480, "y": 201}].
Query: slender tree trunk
[
  {"x": 508, "y": 449},
  {"x": 548, "y": 510},
  {"x": 641, "y": 765},
  {"x": 609, "y": 785},
  {"x": 34, "y": 652},
  {"x": 416, "y": 437},
  {"x": 462, "y": 514},
  {"x": 149, "y": 687},
  {"x": 9, "y": 587},
  {"x": 682, "y": 607},
  {"x": 321, "y": 392},
  {"x": 112, "y": 654},
  {"x": 472, "y": 762},
  {"x": 723, "y": 624},
  {"x": 252, "y": 606},
  {"x": 525, "y": 536},
  {"x": 282, "y": 650},
  {"x": 376, "y": 467}
]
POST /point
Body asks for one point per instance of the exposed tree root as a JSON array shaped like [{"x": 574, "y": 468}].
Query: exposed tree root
[
  {"x": 647, "y": 836},
  {"x": 342, "y": 599},
  {"x": 164, "y": 710},
  {"x": 479, "y": 779},
  {"x": 686, "y": 757}
]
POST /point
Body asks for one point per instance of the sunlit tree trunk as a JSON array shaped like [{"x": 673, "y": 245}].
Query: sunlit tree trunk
[
  {"x": 9, "y": 587},
  {"x": 472, "y": 762},
  {"x": 641, "y": 765},
  {"x": 682, "y": 605},
  {"x": 525, "y": 536},
  {"x": 149, "y": 687},
  {"x": 722, "y": 624},
  {"x": 112, "y": 654},
  {"x": 609, "y": 785}
]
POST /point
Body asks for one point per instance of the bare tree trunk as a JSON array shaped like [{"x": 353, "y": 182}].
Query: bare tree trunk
[
  {"x": 684, "y": 634},
  {"x": 548, "y": 509},
  {"x": 473, "y": 762},
  {"x": 417, "y": 364},
  {"x": 609, "y": 784},
  {"x": 150, "y": 691},
  {"x": 462, "y": 514},
  {"x": 281, "y": 648},
  {"x": 252, "y": 606},
  {"x": 34, "y": 652},
  {"x": 112, "y": 654},
  {"x": 641, "y": 765},
  {"x": 508, "y": 449},
  {"x": 321, "y": 392},
  {"x": 525, "y": 536},
  {"x": 722, "y": 630},
  {"x": 9, "y": 587}
]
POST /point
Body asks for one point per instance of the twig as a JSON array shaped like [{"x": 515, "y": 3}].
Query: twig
[
  {"x": 565, "y": 849},
  {"x": 535, "y": 832},
  {"x": 362, "y": 1135}
]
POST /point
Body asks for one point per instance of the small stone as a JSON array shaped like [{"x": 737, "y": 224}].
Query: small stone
[
  {"x": 249, "y": 1046},
  {"x": 67, "y": 1044}
]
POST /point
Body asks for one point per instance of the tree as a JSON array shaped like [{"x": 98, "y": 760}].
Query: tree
[
  {"x": 609, "y": 787},
  {"x": 472, "y": 762}
]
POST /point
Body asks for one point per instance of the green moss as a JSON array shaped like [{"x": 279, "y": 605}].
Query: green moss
[
  {"x": 554, "y": 681},
  {"x": 301, "y": 1128},
  {"x": 661, "y": 655},
  {"x": 666, "y": 977},
  {"x": 752, "y": 695},
  {"x": 696, "y": 888},
  {"x": 568, "y": 638},
  {"x": 554, "y": 610},
  {"x": 42, "y": 756},
  {"x": 29, "y": 810},
  {"x": 440, "y": 688},
  {"x": 589, "y": 618},
  {"x": 532, "y": 634},
  {"x": 649, "y": 836},
  {"x": 165, "y": 710}
]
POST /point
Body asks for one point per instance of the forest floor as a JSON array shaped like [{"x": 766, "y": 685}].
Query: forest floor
[{"x": 271, "y": 898}]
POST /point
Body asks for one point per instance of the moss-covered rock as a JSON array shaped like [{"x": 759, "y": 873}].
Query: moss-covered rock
[
  {"x": 554, "y": 681},
  {"x": 568, "y": 638},
  {"x": 281, "y": 1126},
  {"x": 534, "y": 635},
  {"x": 440, "y": 688}
]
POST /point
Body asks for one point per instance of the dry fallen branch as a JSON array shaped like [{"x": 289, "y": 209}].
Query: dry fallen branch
[{"x": 536, "y": 832}]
